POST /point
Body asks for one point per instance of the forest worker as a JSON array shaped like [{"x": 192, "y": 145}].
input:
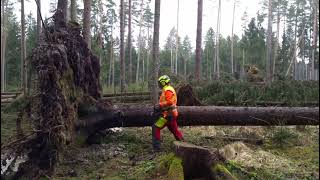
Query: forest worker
[{"x": 169, "y": 113}]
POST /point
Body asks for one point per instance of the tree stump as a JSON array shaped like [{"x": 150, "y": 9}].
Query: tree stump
[{"x": 198, "y": 162}]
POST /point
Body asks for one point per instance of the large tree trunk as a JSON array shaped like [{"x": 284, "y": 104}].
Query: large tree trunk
[
  {"x": 276, "y": 46},
  {"x": 269, "y": 44},
  {"x": 4, "y": 34},
  {"x": 23, "y": 52},
  {"x": 87, "y": 22},
  {"x": 63, "y": 7},
  {"x": 122, "y": 68},
  {"x": 73, "y": 10},
  {"x": 155, "y": 53},
  {"x": 199, "y": 40},
  {"x": 139, "y": 42},
  {"x": 148, "y": 54},
  {"x": 100, "y": 41},
  {"x": 129, "y": 44},
  {"x": 315, "y": 36},
  {"x": 140, "y": 116}
]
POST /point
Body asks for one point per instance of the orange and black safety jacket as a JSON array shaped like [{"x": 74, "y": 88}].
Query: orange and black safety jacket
[{"x": 168, "y": 101}]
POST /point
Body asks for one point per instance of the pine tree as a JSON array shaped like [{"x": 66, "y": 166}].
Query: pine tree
[{"x": 199, "y": 40}]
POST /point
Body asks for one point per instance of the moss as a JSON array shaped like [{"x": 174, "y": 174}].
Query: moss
[
  {"x": 220, "y": 169},
  {"x": 176, "y": 169}
]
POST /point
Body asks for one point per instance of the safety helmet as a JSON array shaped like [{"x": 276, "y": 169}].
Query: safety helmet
[{"x": 164, "y": 79}]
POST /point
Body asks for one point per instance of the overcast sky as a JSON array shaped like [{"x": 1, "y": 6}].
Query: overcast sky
[{"x": 187, "y": 16}]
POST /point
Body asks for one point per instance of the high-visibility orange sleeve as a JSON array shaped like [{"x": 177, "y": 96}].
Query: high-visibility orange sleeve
[{"x": 168, "y": 95}]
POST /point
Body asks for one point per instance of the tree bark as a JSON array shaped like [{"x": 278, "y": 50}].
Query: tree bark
[
  {"x": 155, "y": 53},
  {"x": 315, "y": 36},
  {"x": 140, "y": 116},
  {"x": 129, "y": 43},
  {"x": 139, "y": 42},
  {"x": 73, "y": 10},
  {"x": 269, "y": 44},
  {"x": 63, "y": 6},
  {"x": 87, "y": 22},
  {"x": 100, "y": 32},
  {"x": 199, "y": 40},
  {"x": 4, "y": 34},
  {"x": 276, "y": 46},
  {"x": 23, "y": 52},
  {"x": 234, "y": 7},
  {"x": 217, "y": 56},
  {"x": 38, "y": 21},
  {"x": 122, "y": 68}
]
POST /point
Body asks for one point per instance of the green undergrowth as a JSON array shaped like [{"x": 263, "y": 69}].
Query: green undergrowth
[{"x": 237, "y": 93}]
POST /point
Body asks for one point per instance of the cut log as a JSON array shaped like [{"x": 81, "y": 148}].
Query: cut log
[{"x": 140, "y": 116}]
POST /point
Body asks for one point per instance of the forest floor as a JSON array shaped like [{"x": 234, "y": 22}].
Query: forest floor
[{"x": 126, "y": 153}]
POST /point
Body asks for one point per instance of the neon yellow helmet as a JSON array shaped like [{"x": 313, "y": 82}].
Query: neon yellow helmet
[{"x": 164, "y": 79}]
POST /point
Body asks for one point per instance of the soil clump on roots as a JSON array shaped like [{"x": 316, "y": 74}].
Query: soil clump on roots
[{"x": 67, "y": 76}]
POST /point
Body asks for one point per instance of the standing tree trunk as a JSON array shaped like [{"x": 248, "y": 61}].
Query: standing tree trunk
[
  {"x": 269, "y": 41},
  {"x": 4, "y": 34},
  {"x": 87, "y": 22},
  {"x": 63, "y": 6},
  {"x": 171, "y": 56},
  {"x": 38, "y": 21},
  {"x": 295, "y": 46},
  {"x": 122, "y": 68},
  {"x": 155, "y": 53},
  {"x": 148, "y": 54},
  {"x": 232, "y": 38},
  {"x": 129, "y": 43},
  {"x": 242, "y": 73},
  {"x": 199, "y": 40},
  {"x": 112, "y": 61},
  {"x": 73, "y": 10},
  {"x": 23, "y": 52},
  {"x": 100, "y": 32},
  {"x": 315, "y": 35},
  {"x": 218, "y": 43},
  {"x": 139, "y": 42},
  {"x": 276, "y": 46},
  {"x": 177, "y": 43},
  {"x": 143, "y": 56}
]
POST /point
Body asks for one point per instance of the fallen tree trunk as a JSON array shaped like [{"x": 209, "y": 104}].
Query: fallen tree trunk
[
  {"x": 128, "y": 98},
  {"x": 10, "y": 93},
  {"x": 266, "y": 103},
  {"x": 127, "y": 94},
  {"x": 139, "y": 116},
  {"x": 6, "y": 100},
  {"x": 3, "y": 96}
]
